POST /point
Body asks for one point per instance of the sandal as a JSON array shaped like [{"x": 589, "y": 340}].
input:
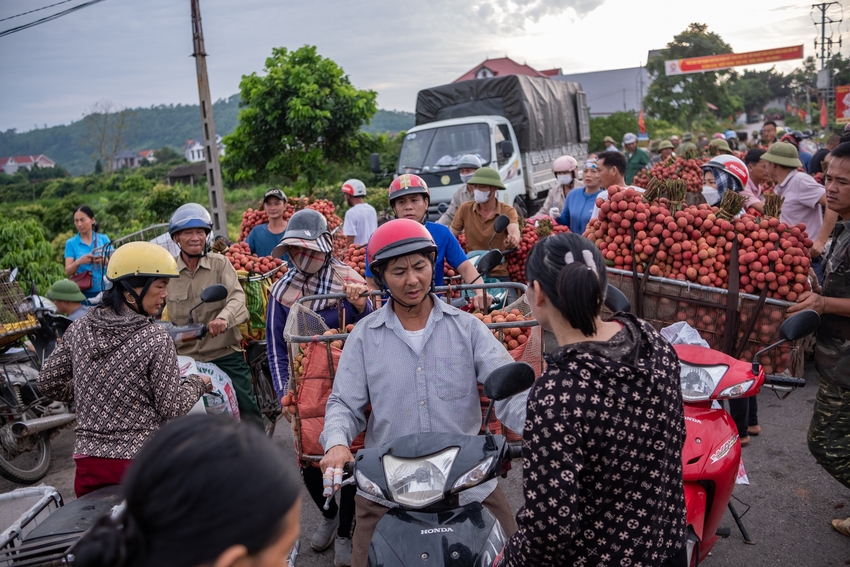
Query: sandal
[
  {"x": 744, "y": 441},
  {"x": 754, "y": 429},
  {"x": 842, "y": 526}
]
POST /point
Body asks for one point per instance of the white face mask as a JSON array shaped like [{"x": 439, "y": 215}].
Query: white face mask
[
  {"x": 465, "y": 177},
  {"x": 565, "y": 178},
  {"x": 481, "y": 196}
]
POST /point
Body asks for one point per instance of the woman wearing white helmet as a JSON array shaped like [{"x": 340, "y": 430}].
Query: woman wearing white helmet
[{"x": 565, "y": 169}]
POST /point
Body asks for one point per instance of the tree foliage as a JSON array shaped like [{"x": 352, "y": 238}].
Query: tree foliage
[
  {"x": 302, "y": 113},
  {"x": 756, "y": 88},
  {"x": 682, "y": 99},
  {"x": 618, "y": 124},
  {"x": 23, "y": 246}
]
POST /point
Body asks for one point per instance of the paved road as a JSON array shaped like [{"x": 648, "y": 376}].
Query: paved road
[{"x": 791, "y": 499}]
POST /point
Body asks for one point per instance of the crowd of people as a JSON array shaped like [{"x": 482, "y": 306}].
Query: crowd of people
[{"x": 120, "y": 368}]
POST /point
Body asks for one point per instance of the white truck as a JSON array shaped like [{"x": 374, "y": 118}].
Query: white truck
[{"x": 517, "y": 125}]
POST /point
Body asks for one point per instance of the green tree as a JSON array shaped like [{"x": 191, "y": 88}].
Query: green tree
[
  {"x": 166, "y": 154},
  {"x": 753, "y": 89},
  {"x": 616, "y": 125},
  {"x": 164, "y": 200},
  {"x": 301, "y": 114},
  {"x": 683, "y": 99},
  {"x": 23, "y": 246},
  {"x": 98, "y": 167}
]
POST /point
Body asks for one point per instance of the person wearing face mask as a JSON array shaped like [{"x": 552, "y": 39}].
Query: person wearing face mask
[
  {"x": 199, "y": 268},
  {"x": 723, "y": 173},
  {"x": 565, "y": 169},
  {"x": 467, "y": 167},
  {"x": 580, "y": 203},
  {"x": 316, "y": 272}
]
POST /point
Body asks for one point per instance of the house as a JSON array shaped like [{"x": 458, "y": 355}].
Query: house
[
  {"x": 148, "y": 155},
  {"x": 12, "y": 164},
  {"x": 126, "y": 158},
  {"x": 501, "y": 67},
  {"x": 187, "y": 174},
  {"x": 194, "y": 149}
]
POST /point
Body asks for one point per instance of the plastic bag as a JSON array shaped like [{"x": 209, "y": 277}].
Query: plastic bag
[
  {"x": 222, "y": 400},
  {"x": 683, "y": 334}
]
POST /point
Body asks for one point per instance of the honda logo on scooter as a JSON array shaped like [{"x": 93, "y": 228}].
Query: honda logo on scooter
[{"x": 436, "y": 531}]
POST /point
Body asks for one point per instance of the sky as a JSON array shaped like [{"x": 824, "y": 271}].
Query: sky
[{"x": 138, "y": 54}]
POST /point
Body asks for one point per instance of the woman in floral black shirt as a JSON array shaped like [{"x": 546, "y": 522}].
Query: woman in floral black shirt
[{"x": 602, "y": 447}]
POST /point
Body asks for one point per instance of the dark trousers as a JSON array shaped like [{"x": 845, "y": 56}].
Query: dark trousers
[
  {"x": 829, "y": 432},
  {"x": 237, "y": 369},
  {"x": 313, "y": 481},
  {"x": 744, "y": 412}
]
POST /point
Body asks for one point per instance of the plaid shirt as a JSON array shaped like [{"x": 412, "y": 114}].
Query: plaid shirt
[{"x": 433, "y": 391}]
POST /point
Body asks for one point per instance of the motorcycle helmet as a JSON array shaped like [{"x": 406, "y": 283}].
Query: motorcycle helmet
[
  {"x": 469, "y": 161},
  {"x": 564, "y": 164},
  {"x": 354, "y": 188},
  {"x": 730, "y": 134},
  {"x": 394, "y": 239},
  {"x": 408, "y": 184},
  {"x": 732, "y": 166},
  {"x": 307, "y": 228},
  {"x": 138, "y": 264},
  {"x": 190, "y": 215}
]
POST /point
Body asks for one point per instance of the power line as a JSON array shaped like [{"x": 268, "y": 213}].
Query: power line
[
  {"x": 48, "y": 18},
  {"x": 36, "y": 10}
]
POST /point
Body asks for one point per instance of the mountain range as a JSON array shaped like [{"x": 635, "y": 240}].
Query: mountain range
[{"x": 150, "y": 129}]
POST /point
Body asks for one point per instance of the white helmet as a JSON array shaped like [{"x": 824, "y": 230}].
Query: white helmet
[
  {"x": 469, "y": 161},
  {"x": 629, "y": 138},
  {"x": 564, "y": 163},
  {"x": 354, "y": 187}
]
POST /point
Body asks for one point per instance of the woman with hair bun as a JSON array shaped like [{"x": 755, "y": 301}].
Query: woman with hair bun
[
  {"x": 204, "y": 491},
  {"x": 602, "y": 446}
]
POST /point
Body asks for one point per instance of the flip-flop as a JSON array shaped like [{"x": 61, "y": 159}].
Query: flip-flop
[
  {"x": 754, "y": 429},
  {"x": 842, "y": 526},
  {"x": 744, "y": 441}
]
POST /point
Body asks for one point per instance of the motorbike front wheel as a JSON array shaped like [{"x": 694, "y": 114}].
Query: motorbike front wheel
[{"x": 29, "y": 466}]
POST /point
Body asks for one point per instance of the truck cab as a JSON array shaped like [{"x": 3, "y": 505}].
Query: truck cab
[{"x": 432, "y": 151}]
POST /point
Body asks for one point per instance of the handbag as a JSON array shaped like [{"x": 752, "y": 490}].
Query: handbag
[{"x": 83, "y": 280}]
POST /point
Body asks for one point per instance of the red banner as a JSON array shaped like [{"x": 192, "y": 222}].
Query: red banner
[
  {"x": 824, "y": 115},
  {"x": 727, "y": 60},
  {"x": 842, "y": 104}
]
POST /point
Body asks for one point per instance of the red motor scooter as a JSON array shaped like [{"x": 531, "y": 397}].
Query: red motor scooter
[{"x": 712, "y": 453}]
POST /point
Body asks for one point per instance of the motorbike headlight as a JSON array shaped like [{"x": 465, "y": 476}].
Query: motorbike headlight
[
  {"x": 365, "y": 484},
  {"x": 737, "y": 390},
  {"x": 473, "y": 476},
  {"x": 418, "y": 482},
  {"x": 699, "y": 382}
]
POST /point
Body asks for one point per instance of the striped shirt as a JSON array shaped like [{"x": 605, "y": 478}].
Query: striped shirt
[{"x": 435, "y": 390}]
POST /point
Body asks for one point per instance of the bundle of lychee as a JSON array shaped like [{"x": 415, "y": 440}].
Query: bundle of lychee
[
  {"x": 250, "y": 219},
  {"x": 694, "y": 243},
  {"x": 688, "y": 170},
  {"x": 529, "y": 235},
  {"x": 512, "y": 337},
  {"x": 355, "y": 257},
  {"x": 240, "y": 256}
]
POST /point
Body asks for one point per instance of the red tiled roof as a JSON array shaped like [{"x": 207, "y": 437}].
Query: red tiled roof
[
  {"x": 551, "y": 72},
  {"x": 4, "y": 160},
  {"x": 22, "y": 160},
  {"x": 501, "y": 67},
  {"x": 146, "y": 153}
]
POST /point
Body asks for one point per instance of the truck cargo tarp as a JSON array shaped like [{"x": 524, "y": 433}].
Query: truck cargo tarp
[{"x": 541, "y": 111}]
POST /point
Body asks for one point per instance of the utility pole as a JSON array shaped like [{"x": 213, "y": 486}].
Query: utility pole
[
  {"x": 216, "y": 193},
  {"x": 826, "y": 44}
]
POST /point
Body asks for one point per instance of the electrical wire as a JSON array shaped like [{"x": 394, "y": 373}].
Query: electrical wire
[
  {"x": 48, "y": 18},
  {"x": 36, "y": 10}
]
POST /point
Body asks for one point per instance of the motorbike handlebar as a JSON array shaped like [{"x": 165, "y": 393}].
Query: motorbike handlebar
[
  {"x": 515, "y": 450},
  {"x": 348, "y": 468},
  {"x": 779, "y": 380}
]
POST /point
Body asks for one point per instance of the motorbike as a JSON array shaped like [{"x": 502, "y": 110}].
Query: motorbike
[
  {"x": 485, "y": 261},
  {"x": 255, "y": 353},
  {"x": 712, "y": 453},
  {"x": 424, "y": 475},
  {"x": 28, "y": 420}
]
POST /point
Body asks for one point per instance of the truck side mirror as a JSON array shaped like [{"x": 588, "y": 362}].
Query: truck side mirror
[
  {"x": 375, "y": 163},
  {"x": 507, "y": 148}
]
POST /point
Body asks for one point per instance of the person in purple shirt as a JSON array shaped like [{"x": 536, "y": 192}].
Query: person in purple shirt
[{"x": 309, "y": 245}]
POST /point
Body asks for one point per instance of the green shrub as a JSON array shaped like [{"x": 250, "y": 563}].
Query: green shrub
[{"x": 23, "y": 246}]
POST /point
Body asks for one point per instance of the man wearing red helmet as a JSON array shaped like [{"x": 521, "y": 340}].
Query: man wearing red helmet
[
  {"x": 409, "y": 199},
  {"x": 361, "y": 219},
  {"x": 417, "y": 362}
]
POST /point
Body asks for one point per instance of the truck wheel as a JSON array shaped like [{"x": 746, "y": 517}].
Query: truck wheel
[{"x": 519, "y": 205}]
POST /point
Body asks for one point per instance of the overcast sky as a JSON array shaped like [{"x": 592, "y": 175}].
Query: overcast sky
[{"x": 138, "y": 53}]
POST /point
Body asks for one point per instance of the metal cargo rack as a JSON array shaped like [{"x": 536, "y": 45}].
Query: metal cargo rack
[{"x": 14, "y": 551}]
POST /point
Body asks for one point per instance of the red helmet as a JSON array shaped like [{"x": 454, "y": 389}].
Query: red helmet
[
  {"x": 731, "y": 165},
  {"x": 394, "y": 239},
  {"x": 408, "y": 184}
]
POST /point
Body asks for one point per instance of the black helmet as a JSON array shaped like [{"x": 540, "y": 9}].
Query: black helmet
[
  {"x": 306, "y": 228},
  {"x": 797, "y": 135},
  {"x": 807, "y": 133}
]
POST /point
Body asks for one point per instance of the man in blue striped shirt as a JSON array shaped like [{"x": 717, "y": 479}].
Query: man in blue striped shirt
[{"x": 417, "y": 362}]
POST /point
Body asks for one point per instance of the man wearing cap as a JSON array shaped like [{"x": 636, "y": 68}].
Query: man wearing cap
[
  {"x": 264, "y": 237},
  {"x": 805, "y": 198},
  {"x": 68, "y": 298},
  {"x": 636, "y": 158},
  {"x": 719, "y": 146},
  {"x": 610, "y": 144},
  {"x": 674, "y": 139},
  {"x": 665, "y": 152},
  {"x": 467, "y": 167},
  {"x": 361, "y": 219},
  {"x": 687, "y": 144}
]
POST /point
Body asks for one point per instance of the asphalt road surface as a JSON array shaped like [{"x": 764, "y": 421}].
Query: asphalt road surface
[{"x": 790, "y": 500}]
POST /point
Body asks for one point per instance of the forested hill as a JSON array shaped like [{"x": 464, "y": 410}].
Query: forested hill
[{"x": 150, "y": 129}]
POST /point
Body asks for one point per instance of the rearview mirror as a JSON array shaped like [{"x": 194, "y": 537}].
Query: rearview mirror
[
  {"x": 616, "y": 300},
  {"x": 375, "y": 163},
  {"x": 501, "y": 223},
  {"x": 799, "y": 325},
  {"x": 488, "y": 261},
  {"x": 509, "y": 380},
  {"x": 213, "y": 293},
  {"x": 507, "y": 148}
]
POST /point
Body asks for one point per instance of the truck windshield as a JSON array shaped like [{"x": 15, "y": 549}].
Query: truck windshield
[{"x": 440, "y": 149}]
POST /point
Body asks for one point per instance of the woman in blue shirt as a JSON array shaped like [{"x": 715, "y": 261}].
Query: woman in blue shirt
[
  {"x": 409, "y": 199},
  {"x": 79, "y": 251},
  {"x": 578, "y": 207}
]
